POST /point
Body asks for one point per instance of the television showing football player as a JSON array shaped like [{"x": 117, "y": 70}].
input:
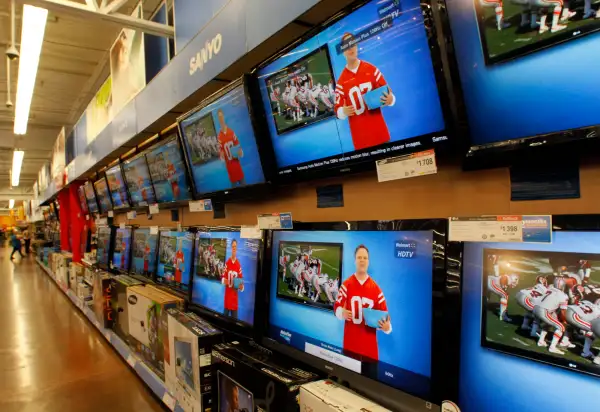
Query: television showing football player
[
  {"x": 230, "y": 151},
  {"x": 174, "y": 263},
  {"x": 232, "y": 278}
]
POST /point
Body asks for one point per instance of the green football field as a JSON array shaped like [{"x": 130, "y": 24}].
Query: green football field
[
  {"x": 220, "y": 252},
  {"x": 510, "y": 333},
  {"x": 512, "y": 38},
  {"x": 330, "y": 257}
]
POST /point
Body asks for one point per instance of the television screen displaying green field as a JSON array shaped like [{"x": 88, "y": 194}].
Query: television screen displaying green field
[{"x": 211, "y": 257}]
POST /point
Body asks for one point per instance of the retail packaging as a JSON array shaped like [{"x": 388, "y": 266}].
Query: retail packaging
[
  {"x": 188, "y": 370},
  {"x": 327, "y": 396},
  {"x": 148, "y": 324},
  {"x": 75, "y": 275},
  {"x": 118, "y": 303},
  {"x": 63, "y": 260},
  {"x": 250, "y": 377},
  {"x": 101, "y": 297},
  {"x": 84, "y": 293}
]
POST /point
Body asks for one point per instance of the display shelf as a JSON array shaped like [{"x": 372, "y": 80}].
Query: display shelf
[{"x": 155, "y": 384}]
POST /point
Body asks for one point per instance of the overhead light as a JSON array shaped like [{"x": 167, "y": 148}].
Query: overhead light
[
  {"x": 11, "y": 203},
  {"x": 16, "y": 167},
  {"x": 32, "y": 37}
]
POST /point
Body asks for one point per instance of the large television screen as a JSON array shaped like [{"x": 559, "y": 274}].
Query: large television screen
[
  {"x": 122, "y": 249},
  {"x": 352, "y": 297},
  {"x": 225, "y": 274},
  {"x": 220, "y": 144},
  {"x": 138, "y": 181},
  {"x": 82, "y": 200},
  {"x": 90, "y": 197},
  {"x": 103, "y": 246},
  {"x": 167, "y": 171},
  {"x": 118, "y": 190},
  {"x": 501, "y": 49},
  {"x": 145, "y": 245},
  {"x": 103, "y": 194},
  {"x": 175, "y": 254},
  {"x": 362, "y": 88}
]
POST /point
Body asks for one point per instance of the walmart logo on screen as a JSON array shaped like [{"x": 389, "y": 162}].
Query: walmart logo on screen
[
  {"x": 405, "y": 249},
  {"x": 211, "y": 48}
]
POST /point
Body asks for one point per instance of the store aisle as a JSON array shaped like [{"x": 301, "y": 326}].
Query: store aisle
[{"x": 51, "y": 357}]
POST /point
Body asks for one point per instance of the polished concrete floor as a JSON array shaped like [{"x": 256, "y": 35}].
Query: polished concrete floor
[{"x": 51, "y": 357}]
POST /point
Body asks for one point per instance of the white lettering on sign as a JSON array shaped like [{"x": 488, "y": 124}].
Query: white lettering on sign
[{"x": 212, "y": 47}]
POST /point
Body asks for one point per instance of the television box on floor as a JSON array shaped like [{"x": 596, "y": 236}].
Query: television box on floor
[
  {"x": 101, "y": 292},
  {"x": 75, "y": 275},
  {"x": 63, "y": 261},
  {"x": 188, "y": 370},
  {"x": 118, "y": 303},
  {"x": 248, "y": 376},
  {"x": 327, "y": 396},
  {"x": 148, "y": 324}
]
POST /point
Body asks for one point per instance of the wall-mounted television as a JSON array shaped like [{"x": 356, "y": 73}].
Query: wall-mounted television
[
  {"x": 122, "y": 250},
  {"x": 144, "y": 252},
  {"x": 221, "y": 141},
  {"x": 103, "y": 195},
  {"x": 82, "y": 200},
  {"x": 138, "y": 181},
  {"x": 175, "y": 254},
  {"x": 364, "y": 86},
  {"x": 104, "y": 246},
  {"x": 116, "y": 185},
  {"x": 90, "y": 197}
]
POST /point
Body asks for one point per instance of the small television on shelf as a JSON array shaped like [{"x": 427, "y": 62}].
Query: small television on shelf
[
  {"x": 174, "y": 263},
  {"x": 350, "y": 92},
  {"x": 104, "y": 246},
  {"x": 345, "y": 296},
  {"x": 221, "y": 140},
  {"x": 122, "y": 249},
  {"x": 138, "y": 181},
  {"x": 117, "y": 188},
  {"x": 82, "y": 199},
  {"x": 225, "y": 276},
  {"x": 144, "y": 252},
  {"x": 90, "y": 196},
  {"x": 168, "y": 170},
  {"x": 499, "y": 60},
  {"x": 104, "y": 201}
]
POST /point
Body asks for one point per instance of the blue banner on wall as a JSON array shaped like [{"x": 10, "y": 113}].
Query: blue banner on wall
[{"x": 156, "y": 49}]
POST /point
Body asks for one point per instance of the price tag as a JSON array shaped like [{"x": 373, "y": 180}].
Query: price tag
[
  {"x": 250, "y": 232},
  {"x": 204, "y": 205},
  {"x": 131, "y": 361},
  {"x": 131, "y": 215},
  {"x": 275, "y": 221},
  {"x": 154, "y": 230},
  {"x": 153, "y": 209},
  {"x": 111, "y": 213},
  {"x": 169, "y": 401},
  {"x": 514, "y": 228},
  {"x": 122, "y": 225},
  {"x": 402, "y": 167}
]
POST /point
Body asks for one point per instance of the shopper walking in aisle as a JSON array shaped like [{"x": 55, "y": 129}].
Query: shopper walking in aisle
[
  {"x": 16, "y": 244},
  {"x": 27, "y": 240}
]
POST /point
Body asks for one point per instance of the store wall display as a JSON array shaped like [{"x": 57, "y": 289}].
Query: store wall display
[
  {"x": 341, "y": 94},
  {"x": 225, "y": 274},
  {"x": 116, "y": 185},
  {"x": 103, "y": 195},
  {"x": 122, "y": 250},
  {"x": 138, "y": 181},
  {"x": 145, "y": 246},
  {"x": 90, "y": 197},
  {"x": 175, "y": 254}
]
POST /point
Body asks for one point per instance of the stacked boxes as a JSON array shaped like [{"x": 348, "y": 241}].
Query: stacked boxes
[
  {"x": 101, "y": 299},
  {"x": 118, "y": 303},
  {"x": 327, "y": 396},
  {"x": 75, "y": 275},
  {"x": 63, "y": 260}
]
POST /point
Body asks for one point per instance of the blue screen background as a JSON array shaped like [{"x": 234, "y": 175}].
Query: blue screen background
[
  {"x": 406, "y": 284},
  {"x": 211, "y": 294},
  {"x": 404, "y": 59},
  {"x": 103, "y": 196},
  {"x": 187, "y": 246},
  {"x": 116, "y": 259},
  {"x": 212, "y": 176},
  {"x": 118, "y": 191},
  {"x": 495, "y": 382},
  {"x": 526, "y": 96},
  {"x": 134, "y": 170},
  {"x": 137, "y": 263},
  {"x": 162, "y": 187}
]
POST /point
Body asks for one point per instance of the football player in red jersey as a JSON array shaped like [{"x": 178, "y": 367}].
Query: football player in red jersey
[
  {"x": 172, "y": 177},
  {"x": 233, "y": 270},
  {"x": 357, "y": 292},
  {"x": 230, "y": 151},
  {"x": 123, "y": 248},
  {"x": 368, "y": 127},
  {"x": 146, "y": 258},
  {"x": 178, "y": 260}
]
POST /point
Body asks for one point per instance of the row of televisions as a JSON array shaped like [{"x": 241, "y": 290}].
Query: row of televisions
[
  {"x": 380, "y": 304},
  {"x": 371, "y": 83}
]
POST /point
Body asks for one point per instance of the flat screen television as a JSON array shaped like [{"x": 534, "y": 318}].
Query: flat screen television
[
  {"x": 82, "y": 200},
  {"x": 174, "y": 264},
  {"x": 225, "y": 276},
  {"x": 145, "y": 246},
  {"x": 220, "y": 142},
  {"x": 104, "y": 246},
  {"x": 501, "y": 49},
  {"x": 364, "y": 86},
  {"x": 138, "y": 181},
  {"x": 168, "y": 171},
  {"x": 243, "y": 398},
  {"x": 90, "y": 197},
  {"x": 118, "y": 190},
  {"x": 344, "y": 297},
  {"x": 104, "y": 201},
  {"x": 122, "y": 250}
]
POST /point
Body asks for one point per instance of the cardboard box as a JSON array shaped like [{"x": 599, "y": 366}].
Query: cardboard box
[
  {"x": 63, "y": 260},
  {"x": 75, "y": 275},
  {"x": 188, "y": 371},
  {"x": 327, "y": 396},
  {"x": 257, "y": 378},
  {"x": 148, "y": 324},
  {"x": 84, "y": 293},
  {"x": 118, "y": 303},
  {"x": 101, "y": 292}
]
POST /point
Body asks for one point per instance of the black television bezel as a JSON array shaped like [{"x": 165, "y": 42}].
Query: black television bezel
[
  {"x": 141, "y": 155},
  {"x": 101, "y": 211},
  {"x": 261, "y": 138},
  {"x": 111, "y": 245},
  {"x": 112, "y": 264},
  {"x": 445, "y": 327},
  {"x": 171, "y": 133},
  {"x": 225, "y": 323},
  {"x": 86, "y": 210},
  {"x": 448, "y": 138},
  {"x": 158, "y": 280},
  {"x": 149, "y": 278},
  {"x": 560, "y": 223},
  {"x": 94, "y": 201},
  {"x": 128, "y": 198},
  {"x": 302, "y": 301}
]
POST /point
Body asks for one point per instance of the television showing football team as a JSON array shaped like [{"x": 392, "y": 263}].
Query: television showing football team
[
  {"x": 144, "y": 252},
  {"x": 543, "y": 302},
  {"x": 138, "y": 181},
  {"x": 230, "y": 288},
  {"x": 381, "y": 284},
  {"x": 175, "y": 259},
  {"x": 168, "y": 171}
]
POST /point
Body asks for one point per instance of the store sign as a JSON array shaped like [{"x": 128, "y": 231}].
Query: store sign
[{"x": 204, "y": 55}]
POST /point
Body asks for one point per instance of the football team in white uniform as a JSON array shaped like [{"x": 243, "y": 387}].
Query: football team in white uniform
[
  {"x": 212, "y": 264},
  {"x": 307, "y": 278}
]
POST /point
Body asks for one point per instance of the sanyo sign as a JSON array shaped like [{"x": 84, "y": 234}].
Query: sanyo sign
[{"x": 211, "y": 48}]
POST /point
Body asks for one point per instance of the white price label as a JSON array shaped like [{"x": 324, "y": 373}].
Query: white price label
[
  {"x": 402, "y": 167},
  {"x": 131, "y": 215},
  {"x": 154, "y": 230},
  {"x": 111, "y": 213},
  {"x": 204, "y": 205},
  {"x": 121, "y": 225},
  {"x": 275, "y": 221},
  {"x": 153, "y": 209},
  {"x": 486, "y": 229},
  {"x": 250, "y": 232},
  {"x": 169, "y": 401}
]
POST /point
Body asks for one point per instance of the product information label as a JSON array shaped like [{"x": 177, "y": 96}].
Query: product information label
[
  {"x": 204, "y": 205},
  {"x": 250, "y": 232},
  {"x": 131, "y": 215},
  {"x": 275, "y": 221},
  {"x": 153, "y": 209},
  {"x": 154, "y": 230},
  {"x": 505, "y": 228},
  {"x": 402, "y": 167}
]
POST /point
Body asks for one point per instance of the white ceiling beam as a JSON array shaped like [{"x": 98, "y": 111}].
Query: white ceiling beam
[
  {"x": 113, "y": 6},
  {"x": 92, "y": 4},
  {"x": 82, "y": 11}
]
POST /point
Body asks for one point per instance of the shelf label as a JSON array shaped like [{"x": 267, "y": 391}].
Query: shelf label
[
  {"x": 111, "y": 213},
  {"x": 275, "y": 221},
  {"x": 169, "y": 401},
  {"x": 410, "y": 165},
  {"x": 204, "y": 205},
  {"x": 505, "y": 228},
  {"x": 122, "y": 225},
  {"x": 250, "y": 232},
  {"x": 154, "y": 230},
  {"x": 153, "y": 209},
  {"x": 131, "y": 361},
  {"x": 131, "y": 214}
]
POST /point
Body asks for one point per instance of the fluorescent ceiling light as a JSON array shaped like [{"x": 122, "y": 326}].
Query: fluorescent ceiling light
[
  {"x": 32, "y": 37},
  {"x": 11, "y": 203},
  {"x": 16, "y": 167}
]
